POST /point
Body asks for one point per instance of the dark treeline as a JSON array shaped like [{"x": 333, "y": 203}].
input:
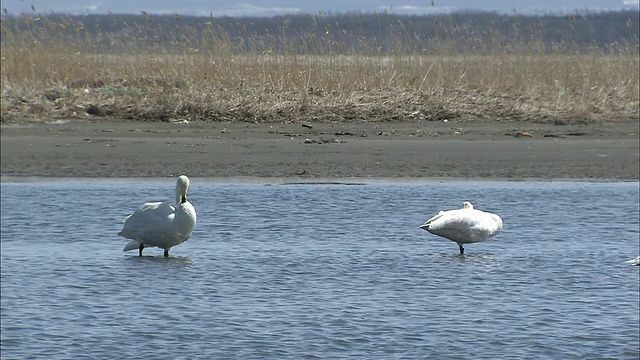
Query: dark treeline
[{"x": 370, "y": 33}]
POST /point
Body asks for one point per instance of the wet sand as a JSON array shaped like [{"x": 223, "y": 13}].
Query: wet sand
[{"x": 321, "y": 151}]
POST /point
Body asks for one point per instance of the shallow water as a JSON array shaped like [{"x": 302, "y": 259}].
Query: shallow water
[{"x": 321, "y": 271}]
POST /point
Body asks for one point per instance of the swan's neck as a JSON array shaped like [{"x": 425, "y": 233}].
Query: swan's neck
[{"x": 179, "y": 198}]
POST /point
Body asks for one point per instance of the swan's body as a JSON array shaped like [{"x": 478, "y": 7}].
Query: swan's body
[
  {"x": 464, "y": 226},
  {"x": 634, "y": 262},
  {"x": 161, "y": 224}
]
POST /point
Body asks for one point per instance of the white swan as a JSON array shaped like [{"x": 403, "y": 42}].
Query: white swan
[
  {"x": 161, "y": 224},
  {"x": 634, "y": 262},
  {"x": 464, "y": 226}
]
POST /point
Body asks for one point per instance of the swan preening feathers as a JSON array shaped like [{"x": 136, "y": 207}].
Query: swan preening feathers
[
  {"x": 161, "y": 224},
  {"x": 464, "y": 226}
]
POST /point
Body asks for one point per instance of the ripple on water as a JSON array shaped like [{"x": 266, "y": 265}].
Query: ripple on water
[{"x": 321, "y": 271}]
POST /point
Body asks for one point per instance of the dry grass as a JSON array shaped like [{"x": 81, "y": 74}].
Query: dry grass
[{"x": 47, "y": 77}]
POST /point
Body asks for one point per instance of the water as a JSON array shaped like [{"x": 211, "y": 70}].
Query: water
[{"x": 321, "y": 271}]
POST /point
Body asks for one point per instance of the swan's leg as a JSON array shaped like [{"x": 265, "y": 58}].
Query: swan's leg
[
  {"x": 166, "y": 252},
  {"x": 461, "y": 249},
  {"x": 140, "y": 249}
]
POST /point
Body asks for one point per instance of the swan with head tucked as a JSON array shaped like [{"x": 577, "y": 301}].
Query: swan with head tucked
[
  {"x": 161, "y": 224},
  {"x": 464, "y": 226}
]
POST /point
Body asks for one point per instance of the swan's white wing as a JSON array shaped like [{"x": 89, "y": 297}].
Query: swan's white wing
[
  {"x": 463, "y": 226},
  {"x": 150, "y": 224},
  {"x": 634, "y": 262},
  {"x": 454, "y": 225}
]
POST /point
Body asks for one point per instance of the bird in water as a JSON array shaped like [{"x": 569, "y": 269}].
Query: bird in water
[
  {"x": 634, "y": 262},
  {"x": 464, "y": 226},
  {"x": 161, "y": 224}
]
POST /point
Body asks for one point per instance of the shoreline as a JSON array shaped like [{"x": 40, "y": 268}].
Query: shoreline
[
  {"x": 307, "y": 181},
  {"x": 321, "y": 152}
]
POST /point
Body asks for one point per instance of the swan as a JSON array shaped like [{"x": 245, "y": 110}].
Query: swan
[
  {"x": 161, "y": 224},
  {"x": 634, "y": 262},
  {"x": 464, "y": 226}
]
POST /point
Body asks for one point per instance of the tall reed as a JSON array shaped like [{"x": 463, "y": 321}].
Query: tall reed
[{"x": 59, "y": 68}]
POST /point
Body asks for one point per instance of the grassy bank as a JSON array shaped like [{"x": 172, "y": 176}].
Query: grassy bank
[{"x": 57, "y": 70}]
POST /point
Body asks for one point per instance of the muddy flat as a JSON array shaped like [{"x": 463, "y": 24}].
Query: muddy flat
[{"x": 321, "y": 151}]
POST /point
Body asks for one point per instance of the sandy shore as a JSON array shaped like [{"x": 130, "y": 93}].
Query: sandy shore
[{"x": 322, "y": 152}]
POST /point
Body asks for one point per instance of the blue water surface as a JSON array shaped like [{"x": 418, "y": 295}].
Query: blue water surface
[{"x": 321, "y": 271}]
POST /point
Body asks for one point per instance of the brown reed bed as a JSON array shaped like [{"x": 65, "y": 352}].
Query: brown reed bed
[{"x": 58, "y": 71}]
